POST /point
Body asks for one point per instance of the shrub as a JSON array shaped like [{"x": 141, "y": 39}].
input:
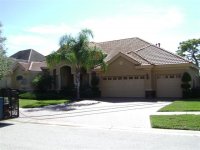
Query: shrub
[
  {"x": 94, "y": 81},
  {"x": 28, "y": 95},
  {"x": 186, "y": 78},
  {"x": 42, "y": 82},
  {"x": 195, "y": 92},
  {"x": 90, "y": 92}
]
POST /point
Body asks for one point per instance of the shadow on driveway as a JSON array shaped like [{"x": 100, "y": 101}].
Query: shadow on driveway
[{"x": 3, "y": 124}]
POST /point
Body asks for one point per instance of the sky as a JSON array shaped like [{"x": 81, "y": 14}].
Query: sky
[{"x": 39, "y": 24}]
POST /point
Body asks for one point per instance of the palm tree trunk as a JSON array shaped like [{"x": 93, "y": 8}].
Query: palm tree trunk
[{"x": 78, "y": 84}]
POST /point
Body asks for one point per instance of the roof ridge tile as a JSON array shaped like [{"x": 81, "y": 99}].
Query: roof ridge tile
[{"x": 116, "y": 40}]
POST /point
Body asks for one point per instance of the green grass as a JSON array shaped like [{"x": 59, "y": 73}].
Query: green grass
[
  {"x": 182, "y": 106},
  {"x": 182, "y": 122},
  {"x": 27, "y": 103}
]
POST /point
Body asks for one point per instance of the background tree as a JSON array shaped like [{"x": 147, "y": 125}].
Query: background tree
[
  {"x": 4, "y": 61},
  {"x": 79, "y": 53},
  {"x": 191, "y": 50}
]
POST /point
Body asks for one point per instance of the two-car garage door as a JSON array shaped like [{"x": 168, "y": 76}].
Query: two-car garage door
[{"x": 123, "y": 86}]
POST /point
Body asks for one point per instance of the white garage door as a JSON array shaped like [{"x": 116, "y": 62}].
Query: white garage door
[
  {"x": 123, "y": 86},
  {"x": 169, "y": 85}
]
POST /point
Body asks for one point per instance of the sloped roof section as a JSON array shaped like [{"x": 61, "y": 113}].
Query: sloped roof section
[
  {"x": 24, "y": 65},
  {"x": 124, "y": 45},
  {"x": 138, "y": 58},
  {"x": 158, "y": 56},
  {"x": 33, "y": 66},
  {"x": 28, "y": 56},
  {"x": 36, "y": 66},
  {"x": 143, "y": 52}
]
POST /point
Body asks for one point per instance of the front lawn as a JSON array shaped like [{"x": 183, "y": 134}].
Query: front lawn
[
  {"x": 182, "y": 106},
  {"x": 182, "y": 122},
  {"x": 28, "y": 103}
]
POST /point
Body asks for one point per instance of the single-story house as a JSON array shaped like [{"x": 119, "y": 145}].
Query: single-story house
[
  {"x": 26, "y": 65},
  {"x": 136, "y": 68}
]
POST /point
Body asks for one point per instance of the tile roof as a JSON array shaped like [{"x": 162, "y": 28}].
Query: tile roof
[
  {"x": 24, "y": 65},
  {"x": 36, "y": 66},
  {"x": 139, "y": 58},
  {"x": 123, "y": 45},
  {"x": 33, "y": 66},
  {"x": 141, "y": 51},
  {"x": 29, "y": 60},
  {"x": 28, "y": 56},
  {"x": 159, "y": 56}
]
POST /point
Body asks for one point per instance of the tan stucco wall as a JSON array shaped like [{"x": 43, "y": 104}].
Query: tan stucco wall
[
  {"x": 122, "y": 66},
  {"x": 123, "y": 88},
  {"x": 24, "y": 84}
]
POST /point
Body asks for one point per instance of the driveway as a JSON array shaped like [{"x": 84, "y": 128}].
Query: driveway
[{"x": 119, "y": 114}]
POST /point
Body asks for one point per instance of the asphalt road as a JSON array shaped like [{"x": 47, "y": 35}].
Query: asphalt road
[{"x": 29, "y": 136}]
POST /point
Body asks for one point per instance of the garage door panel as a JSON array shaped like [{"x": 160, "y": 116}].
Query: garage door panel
[
  {"x": 123, "y": 88},
  {"x": 169, "y": 87}
]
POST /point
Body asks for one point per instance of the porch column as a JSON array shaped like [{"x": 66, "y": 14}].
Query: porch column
[
  {"x": 59, "y": 79},
  {"x": 149, "y": 82},
  {"x": 90, "y": 77},
  {"x": 59, "y": 82}
]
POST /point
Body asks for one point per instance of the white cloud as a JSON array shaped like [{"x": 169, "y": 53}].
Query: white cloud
[
  {"x": 147, "y": 25},
  {"x": 153, "y": 25},
  {"x": 44, "y": 45}
]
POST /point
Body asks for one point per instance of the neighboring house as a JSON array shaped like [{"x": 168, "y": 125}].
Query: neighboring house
[
  {"x": 27, "y": 64},
  {"x": 136, "y": 68}
]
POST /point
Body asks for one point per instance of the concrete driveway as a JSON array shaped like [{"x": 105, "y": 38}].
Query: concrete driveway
[{"x": 117, "y": 114}]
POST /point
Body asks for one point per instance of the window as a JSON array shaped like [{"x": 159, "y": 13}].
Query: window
[
  {"x": 178, "y": 75},
  {"x": 141, "y": 77},
  {"x": 19, "y": 77},
  {"x": 136, "y": 77},
  {"x": 24, "y": 82},
  {"x": 130, "y": 78},
  {"x": 104, "y": 78},
  {"x": 109, "y": 78},
  {"x": 125, "y": 78},
  {"x": 114, "y": 78},
  {"x": 119, "y": 78}
]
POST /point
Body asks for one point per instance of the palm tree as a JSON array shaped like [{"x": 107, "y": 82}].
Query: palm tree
[{"x": 79, "y": 53}]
